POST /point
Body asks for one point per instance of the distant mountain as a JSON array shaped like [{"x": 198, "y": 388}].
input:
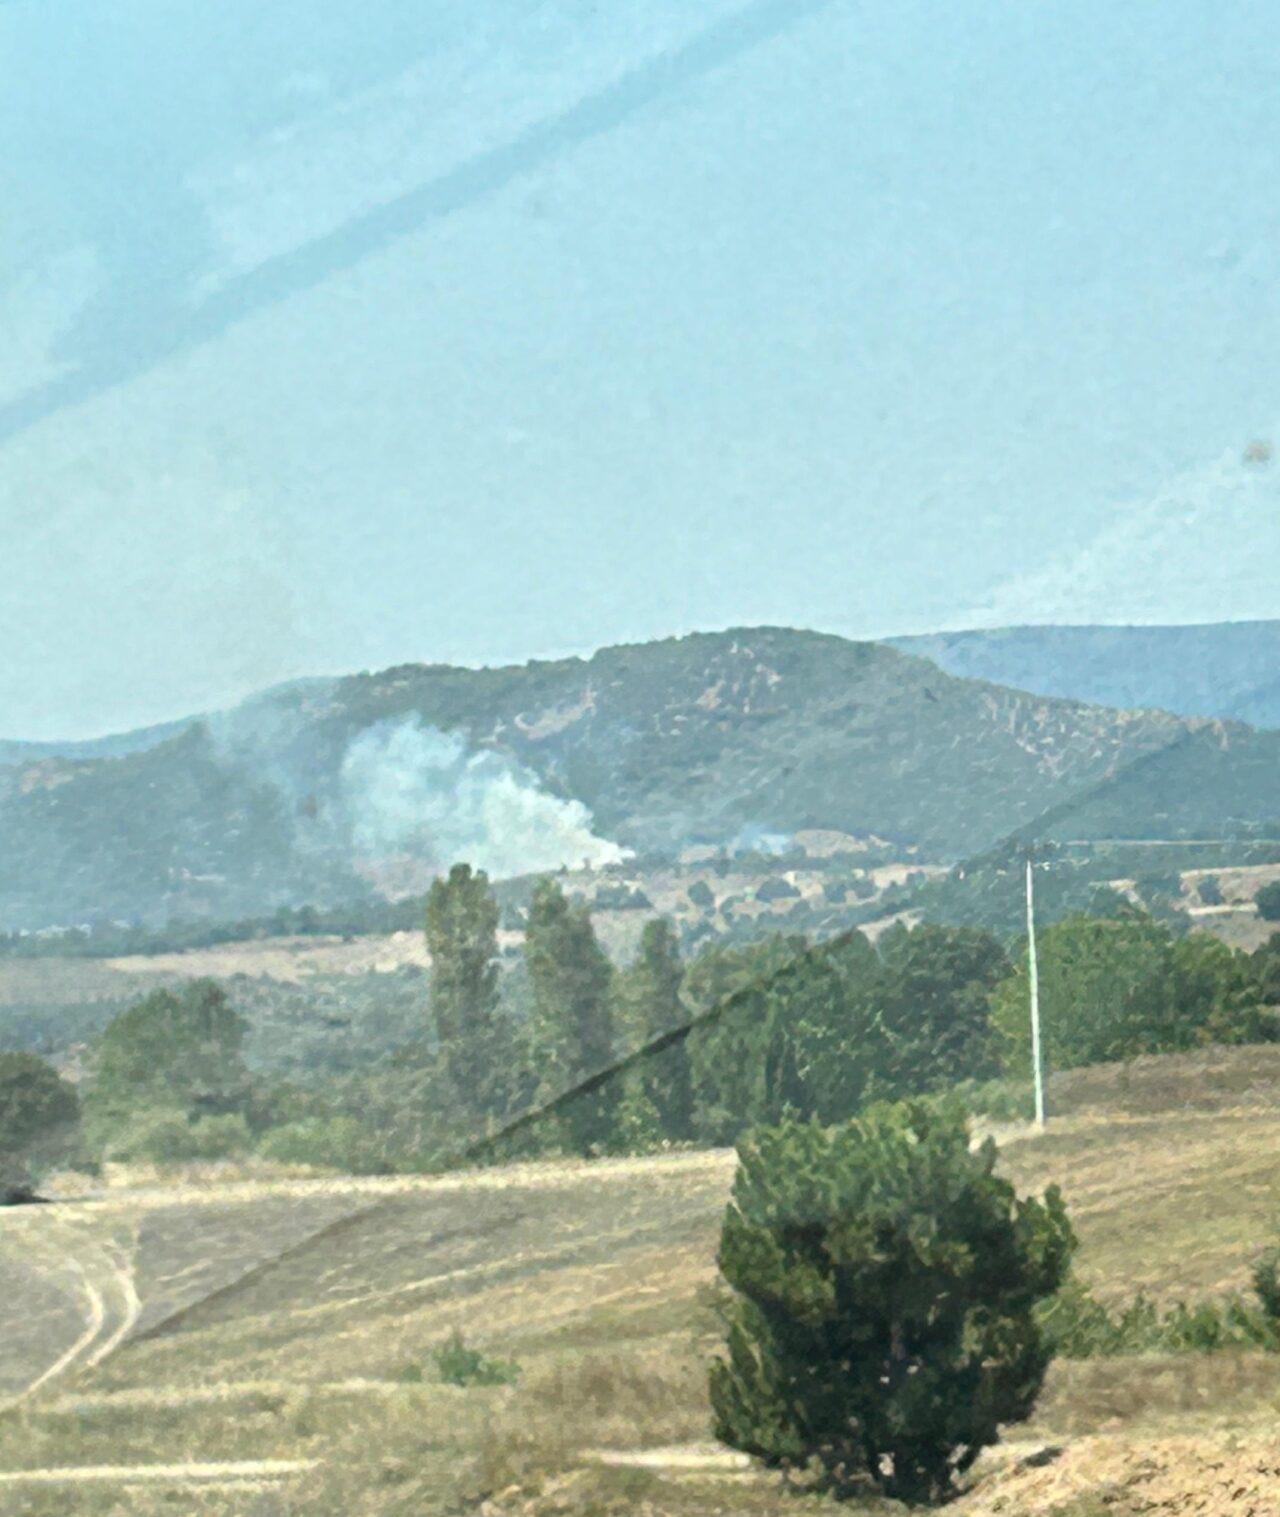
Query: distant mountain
[
  {"x": 329, "y": 789},
  {"x": 1230, "y": 669}
]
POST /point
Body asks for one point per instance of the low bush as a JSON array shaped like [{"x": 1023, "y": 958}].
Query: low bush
[
  {"x": 321, "y": 1142},
  {"x": 1078, "y": 1326},
  {"x": 167, "y": 1136},
  {"x": 459, "y": 1365}
]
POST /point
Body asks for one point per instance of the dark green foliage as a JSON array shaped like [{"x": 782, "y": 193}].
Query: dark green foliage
[
  {"x": 571, "y": 1036},
  {"x": 800, "y": 1035},
  {"x": 933, "y": 988},
  {"x": 172, "y": 1051},
  {"x": 1267, "y": 901},
  {"x": 1266, "y": 1285},
  {"x": 823, "y": 1030},
  {"x": 701, "y": 895},
  {"x": 1209, "y": 889},
  {"x": 884, "y": 1282},
  {"x": 1114, "y": 989},
  {"x": 474, "y": 1038},
  {"x": 457, "y": 1364},
  {"x": 174, "y": 1137},
  {"x": 38, "y": 1109},
  {"x": 1266, "y": 969},
  {"x": 775, "y": 888},
  {"x": 657, "y": 1094}
]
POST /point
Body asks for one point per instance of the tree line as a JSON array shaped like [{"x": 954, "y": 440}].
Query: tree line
[{"x": 739, "y": 1036}]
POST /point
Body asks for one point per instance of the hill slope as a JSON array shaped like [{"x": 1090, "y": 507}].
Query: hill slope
[
  {"x": 323, "y": 790},
  {"x": 270, "y": 1342},
  {"x": 1231, "y": 669}
]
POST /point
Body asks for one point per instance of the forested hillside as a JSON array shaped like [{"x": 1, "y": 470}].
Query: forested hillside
[{"x": 329, "y": 790}]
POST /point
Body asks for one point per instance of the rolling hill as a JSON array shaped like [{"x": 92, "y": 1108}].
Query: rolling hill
[
  {"x": 326, "y": 790},
  {"x": 329, "y": 790},
  {"x": 263, "y": 1344}
]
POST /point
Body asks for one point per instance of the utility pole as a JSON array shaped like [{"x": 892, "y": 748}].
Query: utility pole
[{"x": 1037, "y": 1047}]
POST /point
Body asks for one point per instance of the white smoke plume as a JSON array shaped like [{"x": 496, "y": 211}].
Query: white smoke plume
[{"x": 419, "y": 800}]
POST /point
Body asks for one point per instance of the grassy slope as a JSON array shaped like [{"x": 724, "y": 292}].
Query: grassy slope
[{"x": 276, "y": 1322}]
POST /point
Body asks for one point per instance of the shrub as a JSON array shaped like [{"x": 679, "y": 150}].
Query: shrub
[
  {"x": 1078, "y": 1326},
  {"x": 998, "y": 1100},
  {"x": 620, "y": 897},
  {"x": 459, "y": 1365},
  {"x": 881, "y": 1324},
  {"x": 168, "y": 1136},
  {"x": 323, "y": 1142},
  {"x": 1267, "y": 901}
]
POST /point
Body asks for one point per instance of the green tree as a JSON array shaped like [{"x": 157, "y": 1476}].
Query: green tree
[
  {"x": 474, "y": 1037},
  {"x": 883, "y": 1283},
  {"x": 1220, "y": 995},
  {"x": 1267, "y": 901},
  {"x": 933, "y": 991},
  {"x": 1266, "y": 969},
  {"x": 1105, "y": 985},
  {"x": 658, "y": 1093},
  {"x": 176, "y": 1050},
  {"x": 38, "y": 1110},
  {"x": 572, "y": 1035},
  {"x": 796, "y": 1033},
  {"x": 1114, "y": 989}
]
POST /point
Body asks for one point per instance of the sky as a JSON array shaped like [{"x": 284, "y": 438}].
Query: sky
[{"x": 341, "y": 336}]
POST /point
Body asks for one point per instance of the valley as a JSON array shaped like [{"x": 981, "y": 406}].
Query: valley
[{"x": 278, "y": 1349}]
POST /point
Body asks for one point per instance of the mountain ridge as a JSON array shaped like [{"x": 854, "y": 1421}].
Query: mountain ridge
[
  {"x": 330, "y": 790},
  {"x": 1219, "y": 669}
]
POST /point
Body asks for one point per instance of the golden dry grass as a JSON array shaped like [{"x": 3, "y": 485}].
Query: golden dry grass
[{"x": 286, "y": 1320}]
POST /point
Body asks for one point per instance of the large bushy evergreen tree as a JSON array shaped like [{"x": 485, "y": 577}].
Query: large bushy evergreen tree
[{"x": 880, "y": 1325}]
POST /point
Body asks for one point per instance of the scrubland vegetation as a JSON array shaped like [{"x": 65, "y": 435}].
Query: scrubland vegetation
[{"x": 320, "y": 1304}]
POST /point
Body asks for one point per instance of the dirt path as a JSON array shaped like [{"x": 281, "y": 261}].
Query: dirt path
[
  {"x": 217, "y": 1473},
  {"x": 103, "y": 1270}
]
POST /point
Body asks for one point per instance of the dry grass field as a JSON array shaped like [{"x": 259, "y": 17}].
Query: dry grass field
[{"x": 262, "y": 1346}]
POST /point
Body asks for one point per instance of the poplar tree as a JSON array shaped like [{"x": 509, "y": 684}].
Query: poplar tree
[
  {"x": 473, "y": 1036},
  {"x": 572, "y": 1037}
]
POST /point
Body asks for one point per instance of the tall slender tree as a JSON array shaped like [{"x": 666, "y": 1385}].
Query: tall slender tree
[
  {"x": 659, "y": 1094},
  {"x": 572, "y": 1035},
  {"x": 474, "y": 1037}
]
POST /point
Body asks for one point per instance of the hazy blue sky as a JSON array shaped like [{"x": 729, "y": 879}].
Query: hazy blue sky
[{"x": 338, "y": 336}]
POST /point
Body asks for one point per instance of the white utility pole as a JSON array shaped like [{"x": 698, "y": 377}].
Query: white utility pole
[{"x": 1037, "y": 1048}]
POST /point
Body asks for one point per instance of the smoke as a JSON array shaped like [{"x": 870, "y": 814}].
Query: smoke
[{"x": 419, "y": 799}]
